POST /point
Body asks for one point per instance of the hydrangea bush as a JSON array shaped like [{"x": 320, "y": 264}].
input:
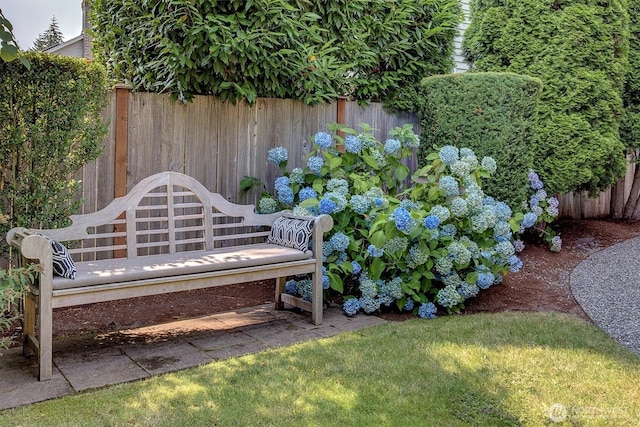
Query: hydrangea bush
[{"x": 422, "y": 247}]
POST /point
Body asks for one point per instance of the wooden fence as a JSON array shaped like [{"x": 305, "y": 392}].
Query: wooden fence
[
  {"x": 220, "y": 143},
  {"x": 216, "y": 143}
]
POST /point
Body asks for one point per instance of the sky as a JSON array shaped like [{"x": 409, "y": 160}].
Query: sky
[{"x": 30, "y": 18}]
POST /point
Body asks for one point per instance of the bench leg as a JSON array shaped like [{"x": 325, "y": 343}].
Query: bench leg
[
  {"x": 45, "y": 355},
  {"x": 29, "y": 324},
  {"x": 317, "y": 298},
  {"x": 280, "y": 283}
]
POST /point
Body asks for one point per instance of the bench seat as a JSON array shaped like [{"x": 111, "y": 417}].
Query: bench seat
[{"x": 120, "y": 270}]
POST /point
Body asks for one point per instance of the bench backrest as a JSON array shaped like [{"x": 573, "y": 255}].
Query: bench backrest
[{"x": 165, "y": 213}]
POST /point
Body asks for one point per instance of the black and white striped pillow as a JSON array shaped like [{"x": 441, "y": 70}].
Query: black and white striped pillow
[
  {"x": 291, "y": 232},
  {"x": 63, "y": 264}
]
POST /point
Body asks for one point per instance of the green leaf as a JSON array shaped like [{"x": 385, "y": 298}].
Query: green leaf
[
  {"x": 402, "y": 172},
  {"x": 335, "y": 282}
]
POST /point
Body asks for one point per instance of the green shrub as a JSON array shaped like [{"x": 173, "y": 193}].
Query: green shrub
[
  {"x": 310, "y": 50},
  {"x": 431, "y": 245},
  {"x": 50, "y": 125},
  {"x": 494, "y": 114},
  {"x": 579, "y": 51},
  {"x": 630, "y": 127}
]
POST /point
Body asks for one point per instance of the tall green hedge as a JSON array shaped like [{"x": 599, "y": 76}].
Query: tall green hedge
[
  {"x": 50, "y": 125},
  {"x": 579, "y": 51},
  {"x": 630, "y": 128},
  {"x": 494, "y": 114},
  {"x": 312, "y": 50}
]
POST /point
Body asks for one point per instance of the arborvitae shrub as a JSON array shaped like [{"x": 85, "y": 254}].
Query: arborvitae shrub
[
  {"x": 579, "y": 51},
  {"x": 494, "y": 114}
]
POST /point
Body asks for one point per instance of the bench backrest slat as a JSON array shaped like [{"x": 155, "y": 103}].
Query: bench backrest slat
[{"x": 165, "y": 213}]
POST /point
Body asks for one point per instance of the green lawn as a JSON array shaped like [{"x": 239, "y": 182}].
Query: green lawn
[{"x": 489, "y": 370}]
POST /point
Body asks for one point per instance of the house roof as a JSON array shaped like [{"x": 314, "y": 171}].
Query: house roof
[{"x": 77, "y": 39}]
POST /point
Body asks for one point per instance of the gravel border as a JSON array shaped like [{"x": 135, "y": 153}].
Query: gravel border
[{"x": 607, "y": 286}]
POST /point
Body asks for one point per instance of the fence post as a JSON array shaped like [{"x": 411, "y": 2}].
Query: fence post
[
  {"x": 121, "y": 154},
  {"x": 341, "y": 118}
]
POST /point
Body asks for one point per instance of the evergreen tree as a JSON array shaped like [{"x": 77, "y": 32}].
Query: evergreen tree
[{"x": 49, "y": 38}]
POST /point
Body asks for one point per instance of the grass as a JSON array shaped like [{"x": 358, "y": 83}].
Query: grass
[{"x": 499, "y": 369}]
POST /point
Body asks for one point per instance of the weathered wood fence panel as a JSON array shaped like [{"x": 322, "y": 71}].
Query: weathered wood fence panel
[{"x": 220, "y": 143}]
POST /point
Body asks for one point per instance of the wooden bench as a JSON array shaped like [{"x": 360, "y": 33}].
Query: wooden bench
[{"x": 168, "y": 234}]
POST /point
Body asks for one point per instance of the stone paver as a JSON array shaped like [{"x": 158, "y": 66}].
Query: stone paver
[{"x": 82, "y": 363}]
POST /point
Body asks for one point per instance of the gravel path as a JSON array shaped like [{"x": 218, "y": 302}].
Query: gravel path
[{"x": 607, "y": 286}]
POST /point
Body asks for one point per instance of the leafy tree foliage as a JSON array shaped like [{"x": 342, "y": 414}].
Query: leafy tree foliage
[
  {"x": 50, "y": 126},
  {"x": 50, "y": 38},
  {"x": 8, "y": 44},
  {"x": 312, "y": 50},
  {"x": 579, "y": 51}
]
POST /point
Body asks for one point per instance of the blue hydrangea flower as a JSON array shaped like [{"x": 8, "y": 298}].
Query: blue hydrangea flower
[
  {"x": 360, "y": 204},
  {"x": 489, "y": 164},
  {"x": 449, "y": 185},
  {"x": 485, "y": 280},
  {"x": 339, "y": 199},
  {"x": 552, "y": 201},
  {"x": 307, "y": 193},
  {"x": 534, "y": 180},
  {"x": 458, "y": 253},
  {"x": 431, "y": 222},
  {"x": 416, "y": 256},
  {"x": 408, "y": 304},
  {"x": 339, "y": 241},
  {"x": 552, "y": 211},
  {"x": 556, "y": 244},
  {"x": 489, "y": 201},
  {"x": 351, "y": 307},
  {"x": 502, "y": 211},
  {"x": 518, "y": 245},
  {"x": 379, "y": 158},
  {"x": 285, "y": 195},
  {"x": 503, "y": 229},
  {"x": 460, "y": 168},
  {"x": 392, "y": 289},
  {"x": 448, "y": 297},
  {"x": 444, "y": 265},
  {"x": 448, "y": 230},
  {"x": 441, "y": 212},
  {"x": 356, "y": 267},
  {"x": 391, "y": 145},
  {"x": 402, "y": 218},
  {"x": 541, "y": 194},
  {"x": 291, "y": 287},
  {"x": 325, "y": 282},
  {"x": 533, "y": 201},
  {"x": 277, "y": 155},
  {"x": 267, "y": 205},
  {"x": 282, "y": 182},
  {"x": 515, "y": 264},
  {"x": 468, "y": 290},
  {"x": 297, "y": 176},
  {"x": 411, "y": 141},
  {"x": 409, "y": 204},
  {"x": 315, "y": 163},
  {"x": 466, "y": 152},
  {"x": 459, "y": 207},
  {"x": 352, "y": 144},
  {"x": 448, "y": 154},
  {"x": 529, "y": 220},
  {"x": 338, "y": 185},
  {"x": 505, "y": 249},
  {"x": 326, "y": 206},
  {"x": 322, "y": 140},
  {"x": 305, "y": 289},
  {"x": 375, "y": 252},
  {"x": 369, "y": 304},
  {"x": 395, "y": 245},
  {"x": 427, "y": 310}
]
